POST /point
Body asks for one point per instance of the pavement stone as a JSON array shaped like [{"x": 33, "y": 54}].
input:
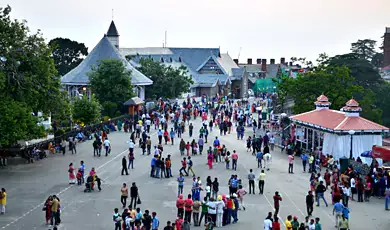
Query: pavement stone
[{"x": 29, "y": 185}]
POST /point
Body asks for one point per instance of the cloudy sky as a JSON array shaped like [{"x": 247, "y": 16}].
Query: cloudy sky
[{"x": 262, "y": 28}]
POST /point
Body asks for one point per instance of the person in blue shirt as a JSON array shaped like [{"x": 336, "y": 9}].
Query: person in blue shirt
[
  {"x": 338, "y": 208},
  {"x": 216, "y": 142},
  {"x": 234, "y": 184},
  {"x": 153, "y": 166},
  {"x": 155, "y": 221},
  {"x": 304, "y": 158},
  {"x": 180, "y": 180},
  {"x": 172, "y": 135},
  {"x": 259, "y": 157},
  {"x": 346, "y": 212}
]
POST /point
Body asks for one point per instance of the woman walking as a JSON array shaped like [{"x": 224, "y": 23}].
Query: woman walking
[
  {"x": 47, "y": 209},
  {"x": 72, "y": 177},
  {"x": 3, "y": 200}
]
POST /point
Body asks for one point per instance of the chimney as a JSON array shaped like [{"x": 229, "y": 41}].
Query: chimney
[
  {"x": 291, "y": 63},
  {"x": 258, "y": 61},
  {"x": 236, "y": 61},
  {"x": 249, "y": 61},
  {"x": 264, "y": 65},
  {"x": 272, "y": 61},
  {"x": 282, "y": 60}
]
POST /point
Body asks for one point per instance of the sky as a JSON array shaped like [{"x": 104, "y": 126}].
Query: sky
[{"x": 246, "y": 29}]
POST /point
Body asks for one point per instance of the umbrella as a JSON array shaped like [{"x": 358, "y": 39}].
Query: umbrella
[
  {"x": 367, "y": 154},
  {"x": 258, "y": 108}
]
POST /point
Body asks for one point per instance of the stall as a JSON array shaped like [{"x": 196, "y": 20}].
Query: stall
[
  {"x": 134, "y": 106},
  {"x": 341, "y": 133}
]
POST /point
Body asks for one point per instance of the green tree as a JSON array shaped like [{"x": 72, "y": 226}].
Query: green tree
[
  {"x": 364, "y": 49},
  {"x": 361, "y": 69},
  {"x": 110, "y": 81},
  {"x": 67, "y": 54},
  {"x": 86, "y": 110},
  {"x": 17, "y": 123},
  {"x": 168, "y": 81},
  {"x": 377, "y": 60},
  {"x": 28, "y": 76}
]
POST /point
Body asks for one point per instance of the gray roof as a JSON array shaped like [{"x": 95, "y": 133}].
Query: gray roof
[
  {"x": 134, "y": 101},
  {"x": 103, "y": 50},
  {"x": 112, "y": 31},
  {"x": 192, "y": 58},
  {"x": 272, "y": 70},
  {"x": 237, "y": 73}
]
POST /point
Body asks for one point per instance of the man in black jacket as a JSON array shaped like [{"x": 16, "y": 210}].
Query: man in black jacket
[
  {"x": 309, "y": 203},
  {"x": 133, "y": 195},
  {"x": 147, "y": 220},
  {"x": 124, "y": 166}
]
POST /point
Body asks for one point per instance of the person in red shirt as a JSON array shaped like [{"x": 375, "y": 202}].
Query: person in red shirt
[
  {"x": 277, "y": 199},
  {"x": 229, "y": 207},
  {"x": 180, "y": 206},
  {"x": 188, "y": 146},
  {"x": 166, "y": 134},
  {"x": 276, "y": 224},
  {"x": 188, "y": 208},
  {"x": 183, "y": 166}
]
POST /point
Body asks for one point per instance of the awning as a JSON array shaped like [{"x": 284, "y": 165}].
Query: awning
[{"x": 134, "y": 101}]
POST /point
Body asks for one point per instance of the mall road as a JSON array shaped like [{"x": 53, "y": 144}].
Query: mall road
[{"x": 29, "y": 185}]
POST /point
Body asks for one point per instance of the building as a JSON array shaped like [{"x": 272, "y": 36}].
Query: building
[
  {"x": 212, "y": 71},
  {"x": 386, "y": 48},
  {"x": 340, "y": 133},
  {"x": 76, "y": 81}
]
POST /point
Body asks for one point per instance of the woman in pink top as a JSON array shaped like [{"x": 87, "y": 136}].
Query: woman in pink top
[
  {"x": 234, "y": 158},
  {"x": 367, "y": 191}
]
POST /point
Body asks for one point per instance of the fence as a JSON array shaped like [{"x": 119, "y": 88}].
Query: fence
[{"x": 25, "y": 150}]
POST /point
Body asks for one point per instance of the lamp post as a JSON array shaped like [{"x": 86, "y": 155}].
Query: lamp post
[{"x": 351, "y": 132}]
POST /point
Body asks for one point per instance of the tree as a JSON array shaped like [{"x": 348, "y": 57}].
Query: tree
[
  {"x": 17, "y": 123},
  {"x": 364, "y": 49},
  {"x": 110, "y": 81},
  {"x": 86, "y": 110},
  {"x": 361, "y": 69},
  {"x": 168, "y": 81},
  {"x": 67, "y": 54},
  {"x": 28, "y": 77},
  {"x": 377, "y": 60}
]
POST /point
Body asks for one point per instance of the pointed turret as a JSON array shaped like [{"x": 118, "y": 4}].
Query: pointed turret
[
  {"x": 322, "y": 102},
  {"x": 352, "y": 108},
  {"x": 113, "y": 35}
]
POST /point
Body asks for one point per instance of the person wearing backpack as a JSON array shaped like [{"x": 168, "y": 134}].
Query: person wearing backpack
[{"x": 189, "y": 163}]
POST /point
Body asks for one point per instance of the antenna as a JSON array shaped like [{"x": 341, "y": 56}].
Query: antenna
[
  {"x": 165, "y": 39},
  {"x": 239, "y": 52}
]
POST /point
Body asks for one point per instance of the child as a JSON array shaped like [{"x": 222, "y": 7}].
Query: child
[
  {"x": 208, "y": 192},
  {"x": 227, "y": 160},
  {"x": 79, "y": 176}
]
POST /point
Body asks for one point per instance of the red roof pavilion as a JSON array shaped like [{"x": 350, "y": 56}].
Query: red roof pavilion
[{"x": 337, "y": 121}]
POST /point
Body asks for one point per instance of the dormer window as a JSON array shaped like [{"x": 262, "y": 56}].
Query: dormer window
[
  {"x": 162, "y": 59},
  {"x": 179, "y": 59},
  {"x": 170, "y": 59}
]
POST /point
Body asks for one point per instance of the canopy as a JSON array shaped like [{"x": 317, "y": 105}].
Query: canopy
[
  {"x": 134, "y": 101},
  {"x": 265, "y": 85}
]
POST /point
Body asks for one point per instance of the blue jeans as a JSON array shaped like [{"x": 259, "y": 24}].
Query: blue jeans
[
  {"x": 321, "y": 195},
  {"x": 227, "y": 165},
  {"x": 229, "y": 215},
  {"x": 234, "y": 164},
  {"x": 179, "y": 190},
  {"x": 157, "y": 171},
  {"x": 131, "y": 162},
  {"x": 234, "y": 214},
  {"x": 387, "y": 200}
]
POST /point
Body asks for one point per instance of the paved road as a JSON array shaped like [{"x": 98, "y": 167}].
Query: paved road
[{"x": 29, "y": 185}]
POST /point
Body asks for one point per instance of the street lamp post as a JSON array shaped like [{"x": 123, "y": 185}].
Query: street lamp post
[{"x": 351, "y": 132}]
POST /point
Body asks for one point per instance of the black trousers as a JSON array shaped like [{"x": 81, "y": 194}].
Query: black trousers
[
  {"x": 124, "y": 169},
  {"x": 187, "y": 216},
  {"x": 123, "y": 200},
  {"x": 309, "y": 208},
  {"x": 180, "y": 212},
  {"x": 261, "y": 186},
  {"x": 251, "y": 186},
  {"x": 290, "y": 168},
  {"x": 159, "y": 140},
  {"x": 133, "y": 199}
]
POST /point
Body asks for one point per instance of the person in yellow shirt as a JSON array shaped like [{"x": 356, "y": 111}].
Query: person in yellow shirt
[
  {"x": 261, "y": 181},
  {"x": 288, "y": 223},
  {"x": 3, "y": 200}
]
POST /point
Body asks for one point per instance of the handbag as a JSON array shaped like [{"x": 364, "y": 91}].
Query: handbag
[{"x": 138, "y": 200}]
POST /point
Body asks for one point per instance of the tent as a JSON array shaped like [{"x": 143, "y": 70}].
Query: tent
[{"x": 265, "y": 85}]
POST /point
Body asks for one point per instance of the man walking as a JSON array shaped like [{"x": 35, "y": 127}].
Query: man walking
[
  {"x": 338, "y": 208},
  {"x": 235, "y": 159},
  {"x": 261, "y": 182},
  {"x": 124, "y": 194},
  {"x": 259, "y": 157},
  {"x": 107, "y": 146},
  {"x": 124, "y": 166},
  {"x": 251, "y": 178},
  {"x": 277, "y": 199},
  {"x": 133, "y": 195},
  {"x": 290, "y": 163},
  {"x": 309, "y": 203},
  {"x": 320, "y": 193}
]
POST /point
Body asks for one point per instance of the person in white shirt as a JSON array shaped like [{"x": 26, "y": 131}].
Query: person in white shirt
[
  {"x": 212, "y": 210},
  {"x": 267, "y": 160},
  {"x": 272, "y": 142},
  {"x": 219, "y": 205},
  {"x": 353, "y": 187},
  {"x": 107, "y": 146},
  {"x": 267, "y": 224},
  {"x": 131, "y": 146},
  {"x": 312, "y": 225}
]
